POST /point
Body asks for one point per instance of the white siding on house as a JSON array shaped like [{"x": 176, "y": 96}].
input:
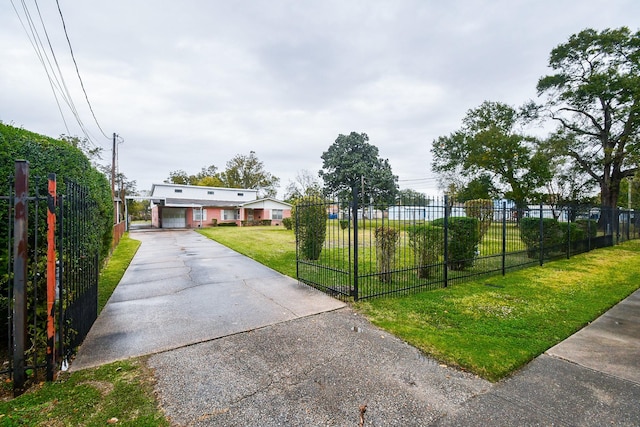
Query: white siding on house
[{"x": 175, "y": 191}]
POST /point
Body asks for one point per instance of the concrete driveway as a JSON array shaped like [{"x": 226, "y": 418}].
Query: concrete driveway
[{"x": 182, "y": 288}]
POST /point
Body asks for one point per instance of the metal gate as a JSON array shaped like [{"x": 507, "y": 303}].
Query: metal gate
[{"x": 48, "y": 290}]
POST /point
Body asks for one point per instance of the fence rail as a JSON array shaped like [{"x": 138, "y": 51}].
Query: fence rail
[
  {"x": 364, "y": 251},
  {"x": 48, "y": 290}
]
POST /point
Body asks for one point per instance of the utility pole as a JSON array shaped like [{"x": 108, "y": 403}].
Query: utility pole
[
  {"x": 113, "y": 168},
  {"x": 113, "y": 180}
]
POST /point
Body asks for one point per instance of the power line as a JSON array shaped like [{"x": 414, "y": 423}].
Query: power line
[
  {"x": 64, "y": 26},
  {"x": 62, "y": 85},
  {"x": 56, "y": 79},
  {"x": 39, "y": 55}
]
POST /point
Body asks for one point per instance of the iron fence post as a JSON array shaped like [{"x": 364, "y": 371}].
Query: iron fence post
[
  {"x": 60, "y": 276},
  {"x": 355, "y": 242},
  {"x": 541, "y": 236},
  {"x": 20, "y": 249},
  {"x": 568, "y": 232},
  {"x": 446, "y": 241},
  {"x": 616, "y": 215},
  {"x": 504, "y": 237}
]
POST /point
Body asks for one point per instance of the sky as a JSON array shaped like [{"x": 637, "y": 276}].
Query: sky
[{"x": 193, "y": 83}]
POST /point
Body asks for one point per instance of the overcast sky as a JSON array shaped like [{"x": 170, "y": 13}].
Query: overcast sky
[{"x": 189, "y": 83}]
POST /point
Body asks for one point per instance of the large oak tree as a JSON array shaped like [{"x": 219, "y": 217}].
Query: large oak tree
[
  {"x": 489, "y": 142},
  {"x": 351, "y": 161},
  {"x": 594, "y": 95},
  {"x": 247, "y": 171}
]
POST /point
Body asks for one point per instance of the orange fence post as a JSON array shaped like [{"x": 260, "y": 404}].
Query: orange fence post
[{"x": 51, "y": 277}]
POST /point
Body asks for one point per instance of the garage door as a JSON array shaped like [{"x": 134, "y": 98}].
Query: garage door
[{"x": 174, "y": 218}]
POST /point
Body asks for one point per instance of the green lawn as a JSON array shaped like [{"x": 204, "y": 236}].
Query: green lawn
[
  {"x": 118, "y": 262},
  {"x": 271, "y": 246},
  {"x": 490, "y": 326}
]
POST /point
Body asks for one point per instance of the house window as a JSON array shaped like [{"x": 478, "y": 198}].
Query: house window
[
  {"x": 199, "y": 214},
  {"x": 177, "y": 190},
  {"x": 240, "y": 194},
  {"x": 229, "y": 214},
  {"x": 211, "y": 192},
  {"x": 276, "y": 214}
]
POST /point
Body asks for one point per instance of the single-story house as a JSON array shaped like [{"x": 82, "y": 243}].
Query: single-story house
[{"x": 191, "y": 206}]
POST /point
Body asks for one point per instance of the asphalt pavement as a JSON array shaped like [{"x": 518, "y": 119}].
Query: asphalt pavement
[{"x": 233, "y": 343}]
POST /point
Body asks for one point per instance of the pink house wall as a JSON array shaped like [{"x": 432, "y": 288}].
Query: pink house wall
[{"x": 217, "y": 214}]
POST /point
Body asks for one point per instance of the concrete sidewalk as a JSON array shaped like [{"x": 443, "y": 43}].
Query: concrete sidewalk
[{"x": 234, "y": 343}]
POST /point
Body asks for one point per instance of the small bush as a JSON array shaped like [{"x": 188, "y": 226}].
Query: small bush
[
  {"x": 227, "y": 224},
  {"x": 214, "y": 222},
  {"x": 344, "y": 224},
  {"x": 552, "y": 235},
  {"x": 288, "y": 223},
  {"x": 427, "y": 243},
  {"x": 589, "y": 226},
  {"x": 463, "y": 241},
  {"x": 310, "y": 226},
  {"x": 482, "y": 210},
  {"x": 386, "y": 243}
]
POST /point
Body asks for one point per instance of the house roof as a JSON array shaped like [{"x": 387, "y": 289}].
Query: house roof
[
  {"x": 263, "y": 201},
  {"x": 199, "y": 187},
  {"x": 176, "y": 202}
]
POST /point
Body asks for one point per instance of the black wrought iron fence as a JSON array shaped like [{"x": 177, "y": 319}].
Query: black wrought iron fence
[
  {"x": 48, "y": 287},
  {"x": 366, "y": 250}
]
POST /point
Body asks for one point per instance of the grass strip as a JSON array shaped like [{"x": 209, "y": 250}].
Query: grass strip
[
  {"x": 117, "y": 264},
  {"x": 274, "y": 247}
]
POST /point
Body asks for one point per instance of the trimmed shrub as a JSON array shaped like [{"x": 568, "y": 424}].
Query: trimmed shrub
[
  {"x": 427, "y": 243},
  {"x": 288, "y": 223},
  {"x": 310, "y": 225},
  {"x": 482, "y": 210},
  {"x": 386, "y": 243},
  {"x": 552, "y": 235},
  {"x": 344, "y": 224},
  {"x": 589, "y": 226},
  {"x": 227, "y": 224},
  {"x": 463, "y": 241}
]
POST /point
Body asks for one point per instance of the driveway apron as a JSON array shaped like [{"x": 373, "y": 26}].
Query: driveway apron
[{"x": 182, "y": 288}]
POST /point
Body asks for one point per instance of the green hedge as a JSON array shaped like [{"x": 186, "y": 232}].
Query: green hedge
[
  {"x": 48, "y": 155},
  {"x": 589, "y": 226},
  {"x": 555, "y": 235},
  {"x": 386, "y": 244},
  {"x": 310, "y": 225},
  {"x": 463, "y": 241},
  {"x": 427, "y": 243},
  {"x": 288, "y": 223}
]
